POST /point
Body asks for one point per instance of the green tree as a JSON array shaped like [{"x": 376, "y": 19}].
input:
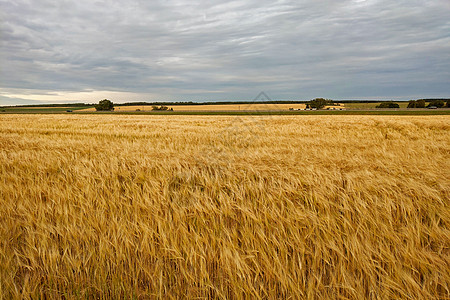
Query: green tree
[
  {"x": 104, "y": 104},
  {"x": 320, "y": 103},
  {"x": 448, "y": 103},
  {"x": 437, "y": 103},
  {"x": 411, "y": 104},
  {"x": 417, "y": 103},
  {"x": 162, "y": 107},
  {"x": 420, "y": 103},
  {"x": 388, "y": 104}
]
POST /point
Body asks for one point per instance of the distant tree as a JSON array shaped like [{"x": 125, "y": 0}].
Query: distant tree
[
  {"x": 320, "y": 103},
  {"x": 420, "y": 103},
  {"x": 448, "y": 103},
  {"x": 417, "y": 103},
  {"x": 437, "y": 103},
  {"x": 388, "y": 104},
  {"x": 411, "y": 104},
  {"x": 104, "y": 104},
  {"x": 162, "y": 107}
]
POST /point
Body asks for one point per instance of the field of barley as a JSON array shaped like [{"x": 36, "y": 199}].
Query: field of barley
[{"x": 224, "y": 207}]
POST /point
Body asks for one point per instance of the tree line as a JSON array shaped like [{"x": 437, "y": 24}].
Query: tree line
[
  {"x": 421, "y": 103},
  {"x": 318, "y": 103}
]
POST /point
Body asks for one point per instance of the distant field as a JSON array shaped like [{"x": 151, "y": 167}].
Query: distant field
[
  {"x": 203, "y": 108},
  {"x": 235, "y": 109},
  {"x": 224, "y": 207},
  {"x": 37, "y": 109},
  {"x": 44, "y": 107}
]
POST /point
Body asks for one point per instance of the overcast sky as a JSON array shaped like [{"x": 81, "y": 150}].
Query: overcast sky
[{"x": 175, "y": 50}]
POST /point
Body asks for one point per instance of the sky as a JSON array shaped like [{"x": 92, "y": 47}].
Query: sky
[{"x": 175, "y": 50}]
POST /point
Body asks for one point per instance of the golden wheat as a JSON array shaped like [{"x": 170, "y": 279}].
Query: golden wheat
[{"x": 113, "y": 206}]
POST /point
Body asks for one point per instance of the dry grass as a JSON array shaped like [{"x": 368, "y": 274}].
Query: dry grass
[
  {"x": 113, "y": 206},
  {"x": 203, "y": 108}
]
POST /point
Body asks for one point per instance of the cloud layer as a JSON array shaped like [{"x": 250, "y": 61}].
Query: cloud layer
[{"x": 223, "y": 50}]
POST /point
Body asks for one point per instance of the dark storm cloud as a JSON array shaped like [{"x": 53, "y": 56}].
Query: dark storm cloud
[{"x": 227, "y": 50}]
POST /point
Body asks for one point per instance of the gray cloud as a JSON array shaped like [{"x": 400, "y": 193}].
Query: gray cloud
[{"x": 215, "y": 50}]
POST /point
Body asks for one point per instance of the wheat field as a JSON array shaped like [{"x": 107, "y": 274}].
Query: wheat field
[{"x": 224, "y": 207}]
